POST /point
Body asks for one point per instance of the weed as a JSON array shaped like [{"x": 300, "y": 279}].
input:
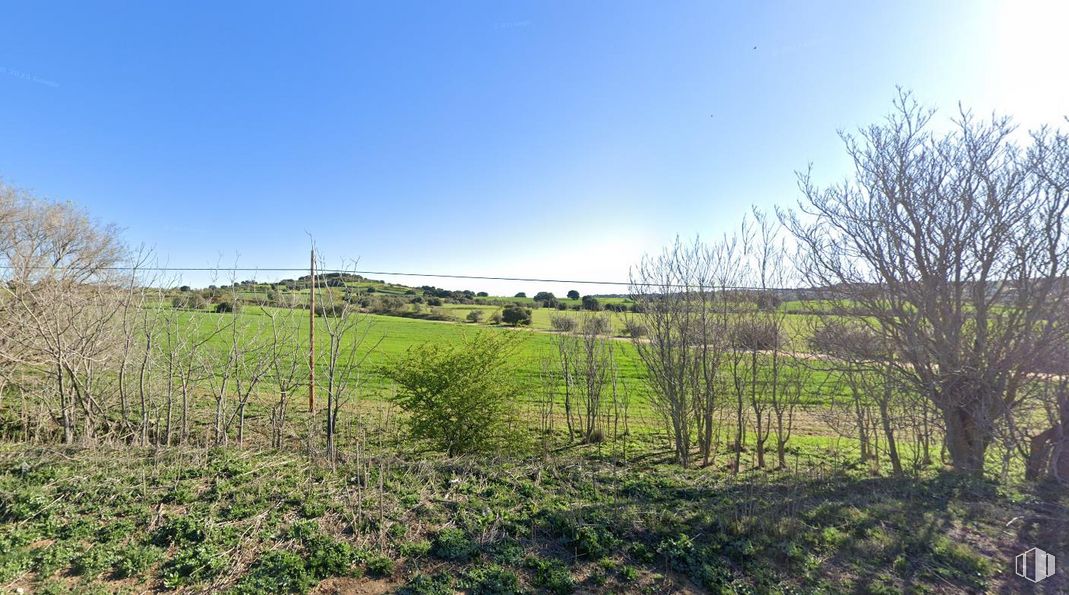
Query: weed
[
  {"x": 551, "y": 575},
  {"x": 453, "y": 544},
  {"x": 277, "y": 571},
  {"x": 491, "y": 580},
  {"x": 380, "y": 565},
  {"x": 192, "y": 565}
]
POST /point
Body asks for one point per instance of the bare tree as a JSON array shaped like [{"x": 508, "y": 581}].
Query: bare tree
[
  {"x": 953, "y": 247},
  {"x": 685, "y": 300},
  {"x": 60, "y": 298},
  {"x": 347, "y": 329},
  {"x": 661, "y": 285},
  {"x": 287, "y": 353}
]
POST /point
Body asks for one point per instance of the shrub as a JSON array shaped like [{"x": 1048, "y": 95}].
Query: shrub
[
  {"x": 483, "y": 294},
  {"x": 515, "y": 314},
  {"x": 635, "y": 329},
  {"x": 459, "y": 396},
  {"x": 591, "y": 303},
  {"x": 521, "y": 294},
  {"x": 226, "y": 307},
  {"x": 596, "y": 325},
  {"x": 562, "y": 323},
  {"x": 756, "y": 335},
  {"x": 475, "y": 316}
]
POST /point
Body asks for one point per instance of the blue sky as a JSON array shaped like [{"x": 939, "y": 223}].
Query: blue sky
[{"x": 549, "y": 139}]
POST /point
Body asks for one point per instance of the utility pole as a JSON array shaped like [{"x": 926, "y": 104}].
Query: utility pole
[{"x": 312, "y": 334}]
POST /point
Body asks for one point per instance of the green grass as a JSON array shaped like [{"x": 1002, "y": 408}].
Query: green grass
[{"x": 106, "y": 520}]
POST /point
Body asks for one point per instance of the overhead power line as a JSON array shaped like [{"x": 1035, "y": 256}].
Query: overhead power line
[{"x": 157, "y": 269}]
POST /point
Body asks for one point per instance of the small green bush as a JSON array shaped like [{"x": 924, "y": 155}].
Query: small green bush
[
  {"x": 475, "y": 316},
  {"x": 459, "y": 396},
  {"x": 516, "y": 314}
]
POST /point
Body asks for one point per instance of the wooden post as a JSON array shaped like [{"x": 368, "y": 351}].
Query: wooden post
[{"x": 312, "y": 334}]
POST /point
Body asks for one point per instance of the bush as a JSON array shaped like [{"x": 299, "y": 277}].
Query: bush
[
  {"x": 591, "y": 303},
  {"x": 635, "y": 329},
  {"x": 596, "y": 325},
  {"x": 515, "y": 314},
  {"x": 545, "y": 296},
  {"x": 475, "y": 316},
  {"x": 226, "y": 307},
  {"x": 756, "y": 335},
  {"x": 458, "y": 396},
  {"x": 562, "y": 323},
  {"x": 521, "y": 295}
]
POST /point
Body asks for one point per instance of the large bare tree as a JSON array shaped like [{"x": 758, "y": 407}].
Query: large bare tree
[{"x": 952, "y": 247}]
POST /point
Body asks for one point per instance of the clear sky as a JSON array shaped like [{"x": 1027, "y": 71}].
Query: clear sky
[{"x": 533, "y": 139}]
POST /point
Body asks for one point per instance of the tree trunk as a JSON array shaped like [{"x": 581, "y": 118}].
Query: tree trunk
[{"x": 965, "y": 441}]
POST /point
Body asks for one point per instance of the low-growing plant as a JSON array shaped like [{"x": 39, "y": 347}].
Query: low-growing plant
[
  {"x": 193, "y": 564},
  {"x": 453, "y": 544},
  {"x": 94, "y": 561},
  {"x": 136, "y": 559},
  {"x": 552, "y": 575},
  {"x": 380, "y": 565},
  {"x": 415, "y": 549},
  {"x": 277, "y": 571},
  {"x": 423, "y": 584},
  {"x": 490, "y": 580},
  {"x": 327, "y": 557}
]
